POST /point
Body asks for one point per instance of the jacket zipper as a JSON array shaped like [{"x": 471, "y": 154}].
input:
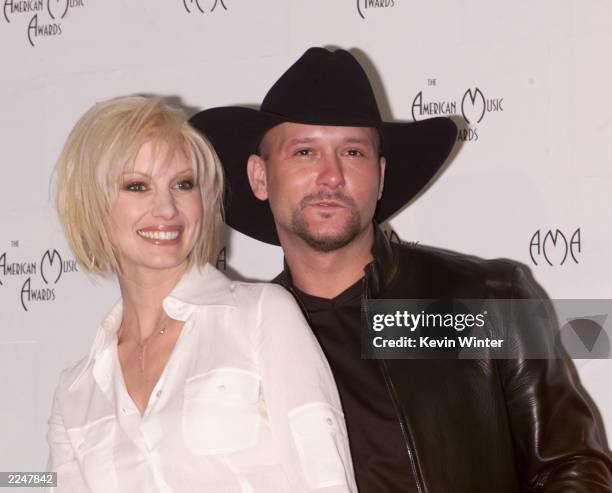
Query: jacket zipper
[
  {"x": 400, "y": 417},
  {"x": 396, "y": 405}
]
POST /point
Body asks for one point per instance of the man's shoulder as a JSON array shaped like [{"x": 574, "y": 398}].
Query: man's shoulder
[
  {"x": 433, "y": 266},
  {"x": 436, "y": 257}
]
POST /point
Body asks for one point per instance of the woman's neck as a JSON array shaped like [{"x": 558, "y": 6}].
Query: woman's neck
[{"x": 142, "y": 294}]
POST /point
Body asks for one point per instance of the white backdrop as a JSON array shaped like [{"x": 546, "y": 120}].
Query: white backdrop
[{"x": 527, "y": 81}]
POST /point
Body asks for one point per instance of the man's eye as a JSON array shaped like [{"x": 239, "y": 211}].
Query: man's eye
[
  {"x": 303, "y": 152},
  {"x": 185, "y": 185},
  {"x": 354, "y": 152},
  {"x": 135, "y": 186}
]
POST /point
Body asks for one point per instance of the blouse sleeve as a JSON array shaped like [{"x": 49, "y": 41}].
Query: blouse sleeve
[
  {"x": 61, "y": 457},
  {"x": 301, "y": 398}
]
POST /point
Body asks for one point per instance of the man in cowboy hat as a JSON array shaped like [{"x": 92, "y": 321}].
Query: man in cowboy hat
[{"x": 316, "y": 170}]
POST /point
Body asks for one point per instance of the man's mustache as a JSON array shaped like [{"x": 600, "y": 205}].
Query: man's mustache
[{"x": 326, "y": 196}]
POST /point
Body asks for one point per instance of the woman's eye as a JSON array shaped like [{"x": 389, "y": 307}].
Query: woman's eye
[
  {"x": 185, "y": 185},
  {"x": 136, "y": 186}
]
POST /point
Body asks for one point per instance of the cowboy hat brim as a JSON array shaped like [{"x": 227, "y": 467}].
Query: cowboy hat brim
[{"x": 414, "y": 151}]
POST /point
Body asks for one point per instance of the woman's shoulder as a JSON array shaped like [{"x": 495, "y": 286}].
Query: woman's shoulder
[
  {"x": 68, "y": 379},
  {"x": 69, "y": 374},
  {"x": 79, "y": 376},
  {"x": 264, "y": 292}
]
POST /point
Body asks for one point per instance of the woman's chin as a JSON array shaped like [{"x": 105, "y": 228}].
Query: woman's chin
[{"x": 155, "y": 265}]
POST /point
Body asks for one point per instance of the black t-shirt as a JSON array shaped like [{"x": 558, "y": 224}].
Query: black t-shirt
[{"x": 379, "y": 454}]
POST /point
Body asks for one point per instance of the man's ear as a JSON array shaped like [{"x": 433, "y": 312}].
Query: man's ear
[
  {"x": 256, "y": 171},
  {"x": 383, "y": 164}
]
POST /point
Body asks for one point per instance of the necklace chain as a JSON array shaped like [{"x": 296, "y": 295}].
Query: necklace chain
[{"x": 142, "y": 345}]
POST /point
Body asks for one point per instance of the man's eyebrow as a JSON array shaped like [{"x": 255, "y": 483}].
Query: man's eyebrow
[
  {"x": 358, "y": 140},
  {"x": 300, "y": 140}
]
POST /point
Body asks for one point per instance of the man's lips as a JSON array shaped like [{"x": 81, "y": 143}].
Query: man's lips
[{"x": 327, "y": 203}]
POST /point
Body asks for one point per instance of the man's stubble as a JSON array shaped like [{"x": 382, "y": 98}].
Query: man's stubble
[{"x": 332, "y": 241}]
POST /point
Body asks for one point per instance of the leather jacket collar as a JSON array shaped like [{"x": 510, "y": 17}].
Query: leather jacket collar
[{"x": 382, "y": 271}]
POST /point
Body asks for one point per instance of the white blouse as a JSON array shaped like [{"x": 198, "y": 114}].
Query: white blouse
[{"x": 245, "y": 404}]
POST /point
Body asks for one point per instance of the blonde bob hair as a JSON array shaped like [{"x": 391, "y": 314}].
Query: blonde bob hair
[{"x": 101, "y": 147}]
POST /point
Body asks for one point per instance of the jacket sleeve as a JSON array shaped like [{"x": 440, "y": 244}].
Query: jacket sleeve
[
  {"x": 61, "y": 455},
  {"x": 301, "y": 398},
  {"x": 555, "y": 433}
]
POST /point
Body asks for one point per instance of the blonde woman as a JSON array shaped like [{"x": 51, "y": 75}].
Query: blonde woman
[{"x": 194, "y": 382}]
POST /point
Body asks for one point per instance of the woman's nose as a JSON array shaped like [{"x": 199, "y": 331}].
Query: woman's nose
[{"x": 164, "y": 204}]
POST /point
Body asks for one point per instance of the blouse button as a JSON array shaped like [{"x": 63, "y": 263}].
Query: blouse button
[
  {"x": 222, "y": 387},
  {"x": 329, "y": 421},
  {"x": 159, "y": 392}
]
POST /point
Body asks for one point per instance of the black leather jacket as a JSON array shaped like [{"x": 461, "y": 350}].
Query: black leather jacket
[{"x": 476, "y": 426}]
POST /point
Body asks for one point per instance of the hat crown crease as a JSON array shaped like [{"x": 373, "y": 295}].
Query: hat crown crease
[{"x": 324, "y": 87}]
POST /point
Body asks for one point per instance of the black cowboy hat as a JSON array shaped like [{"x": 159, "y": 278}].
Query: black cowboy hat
[{"x": 321, "y": 88}]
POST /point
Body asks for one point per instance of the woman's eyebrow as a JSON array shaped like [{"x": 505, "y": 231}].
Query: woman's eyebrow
[
  {"x": 135, "y": 173},
  {"x": 187, "y": 171}
]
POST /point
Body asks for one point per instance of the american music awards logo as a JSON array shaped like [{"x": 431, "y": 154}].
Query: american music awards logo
[
  {"x": 554, "y": 247},
  {"x": 41, "y": 276},
  {"x": 472, "y": 105},
  {"x": 45, "y": 17},
  {"x": 204, "y": 6},
  {"x": 365, "y": 6}
]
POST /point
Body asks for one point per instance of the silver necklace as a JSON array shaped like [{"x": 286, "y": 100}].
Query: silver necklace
[{"x": 142, "y": 345}]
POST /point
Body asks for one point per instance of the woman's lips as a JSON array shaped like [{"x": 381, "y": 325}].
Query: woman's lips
[{"x": 161, "y": 236}]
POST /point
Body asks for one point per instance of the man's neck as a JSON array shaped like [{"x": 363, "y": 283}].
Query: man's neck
[{"x": 327, "y": 274}]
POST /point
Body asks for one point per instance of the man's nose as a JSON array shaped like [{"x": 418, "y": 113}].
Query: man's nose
[
  {"x": 164, "y": 204},
  {"x": 331, "y": 172}
]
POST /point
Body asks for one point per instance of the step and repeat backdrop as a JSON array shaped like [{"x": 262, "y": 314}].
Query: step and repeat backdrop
[{"x": 527, "y": 82}]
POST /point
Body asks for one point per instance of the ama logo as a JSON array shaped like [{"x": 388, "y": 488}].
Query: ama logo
[{"x": 554, "y": 248}]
